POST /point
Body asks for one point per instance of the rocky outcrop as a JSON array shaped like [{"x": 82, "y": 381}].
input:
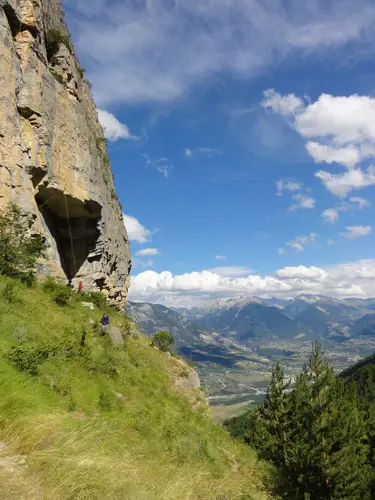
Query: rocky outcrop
[
  {"x": 53, "y": 158},
  {"x": 186, "y": 381}
]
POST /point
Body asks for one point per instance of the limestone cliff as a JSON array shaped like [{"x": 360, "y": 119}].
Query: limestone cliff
[{"x": 53, "y": 158}]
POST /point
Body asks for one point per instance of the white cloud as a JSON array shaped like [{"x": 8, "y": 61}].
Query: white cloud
[
  {"x": 136, "y": 231},
  {"x": 298, "y": 194},
  {"x": 287, "y": 185},
  {"x": 297, "y": 246},
  {"x": 344, "y": 132},
  {"x": 347, "y": 156},
  {"x": 303, "y": 201},
  {"x": 230, "y": 271},
  {"x": 161, "y": 165},
  {"x": 209, "y": 151},
  {"x": 346, "y": 280},
  {"x": 342, "y": 184},
  {"x": 147, "y": 251},
  {"x": 282, "y": 251},
  {"x": 301, "y": 272},
  {"x": 354, "y": 232},
  {"x": 188, "y": 153},
  {"x": 330, "y": 215},
  {"x": 160, "y": 50},
  {"x": 113, "y": 128},
  {"x": 355, "y": 203},
  {"x": 284, "y": 105},
  {"x": 301, "y": 241},
  {"x": 362, "y": 203},
  {"x": 139, "y": 263},
  {"x": 220, "y": 257}
]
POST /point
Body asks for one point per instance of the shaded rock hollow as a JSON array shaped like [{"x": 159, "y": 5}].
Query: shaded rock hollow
[{"x": 53, "y": 158}]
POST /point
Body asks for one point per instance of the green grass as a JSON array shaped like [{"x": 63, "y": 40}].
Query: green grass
[{"x": 103, "y": 422}]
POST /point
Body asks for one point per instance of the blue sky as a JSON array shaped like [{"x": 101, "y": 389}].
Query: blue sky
[{"x": 242, "y": 139}]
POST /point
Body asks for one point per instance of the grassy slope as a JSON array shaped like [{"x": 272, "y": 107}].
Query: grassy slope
[{"x": 88, "y": 433}]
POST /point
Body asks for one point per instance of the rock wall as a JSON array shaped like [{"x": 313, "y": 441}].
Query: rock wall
[{"x": 53, "y": 158}]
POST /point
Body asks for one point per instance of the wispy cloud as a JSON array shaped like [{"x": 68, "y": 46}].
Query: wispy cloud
[
  {"x": 127, "y": 49},
  {"x": 355, "y": 203},
  {"x": 145, "y": 252},
  {"x": 230, "y": 271},
  {"x": 299, "y": 196},
  {"x": 354, "y": 232},
  {"x": 301, "y": 242},
  {"x": 220, "y": 257},
  {"x": 189, "y": 153},
  {"x": 161, "y": 165}
]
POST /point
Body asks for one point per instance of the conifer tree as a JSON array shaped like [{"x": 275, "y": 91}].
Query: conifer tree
[{"x": 316, "y": 436}]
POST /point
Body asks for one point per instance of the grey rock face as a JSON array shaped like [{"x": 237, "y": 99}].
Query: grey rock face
[{"x": 53, "y": 158}]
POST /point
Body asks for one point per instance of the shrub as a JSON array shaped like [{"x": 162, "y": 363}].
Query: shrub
[
  {"x": 50, "y": 285},
  {"x": 19, "y": 250},
  {"x": 105, "y": 401},
  {"x": 81, "y": 70},
  {"x": 9, "y": 293},
  {"x": 27, "y": 358},
  {"x": 163, "y": 340},
  {"x": 62, "y": 296},
  {"x": 54, "y": 38},
  {"x": 97, "y": 298},
  {"x": 57, "y": 76}
]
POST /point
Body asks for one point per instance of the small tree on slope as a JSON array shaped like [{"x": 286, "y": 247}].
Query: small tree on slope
[{"x": 19, "y": 250}]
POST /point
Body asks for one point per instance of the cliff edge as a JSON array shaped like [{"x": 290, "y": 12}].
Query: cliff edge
[{"x": 53, "y": 156}]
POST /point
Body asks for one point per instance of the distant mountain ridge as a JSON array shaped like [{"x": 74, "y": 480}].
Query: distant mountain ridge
[{"x": 246, "y": 320}]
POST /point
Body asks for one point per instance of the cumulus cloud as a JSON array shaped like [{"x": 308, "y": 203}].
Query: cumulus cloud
[
  {"x": 136, "y": 231},
  {"x": 145, "y": 252},
  {"x": 321, "y": 153},
  {"x": 113, "y": 128},
  {"x": 346, "y": 280},
  {"x": 344, "y": 133},
  {"x": 342, "y": 184},
  {"x": 354, "y": 232},
  {"x": 160, "y": 50}
]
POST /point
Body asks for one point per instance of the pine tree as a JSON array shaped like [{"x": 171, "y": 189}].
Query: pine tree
[
  {"x": 329, "y": 436},
  {"x": 316, "y": 436}
]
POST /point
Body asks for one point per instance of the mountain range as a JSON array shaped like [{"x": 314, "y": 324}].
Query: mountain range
[{"x": 253, "y": 321}]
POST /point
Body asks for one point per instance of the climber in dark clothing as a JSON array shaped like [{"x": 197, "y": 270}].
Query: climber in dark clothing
[
  {"x": 104, "y": 324},
  {"x": 105, "y": 320}
]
